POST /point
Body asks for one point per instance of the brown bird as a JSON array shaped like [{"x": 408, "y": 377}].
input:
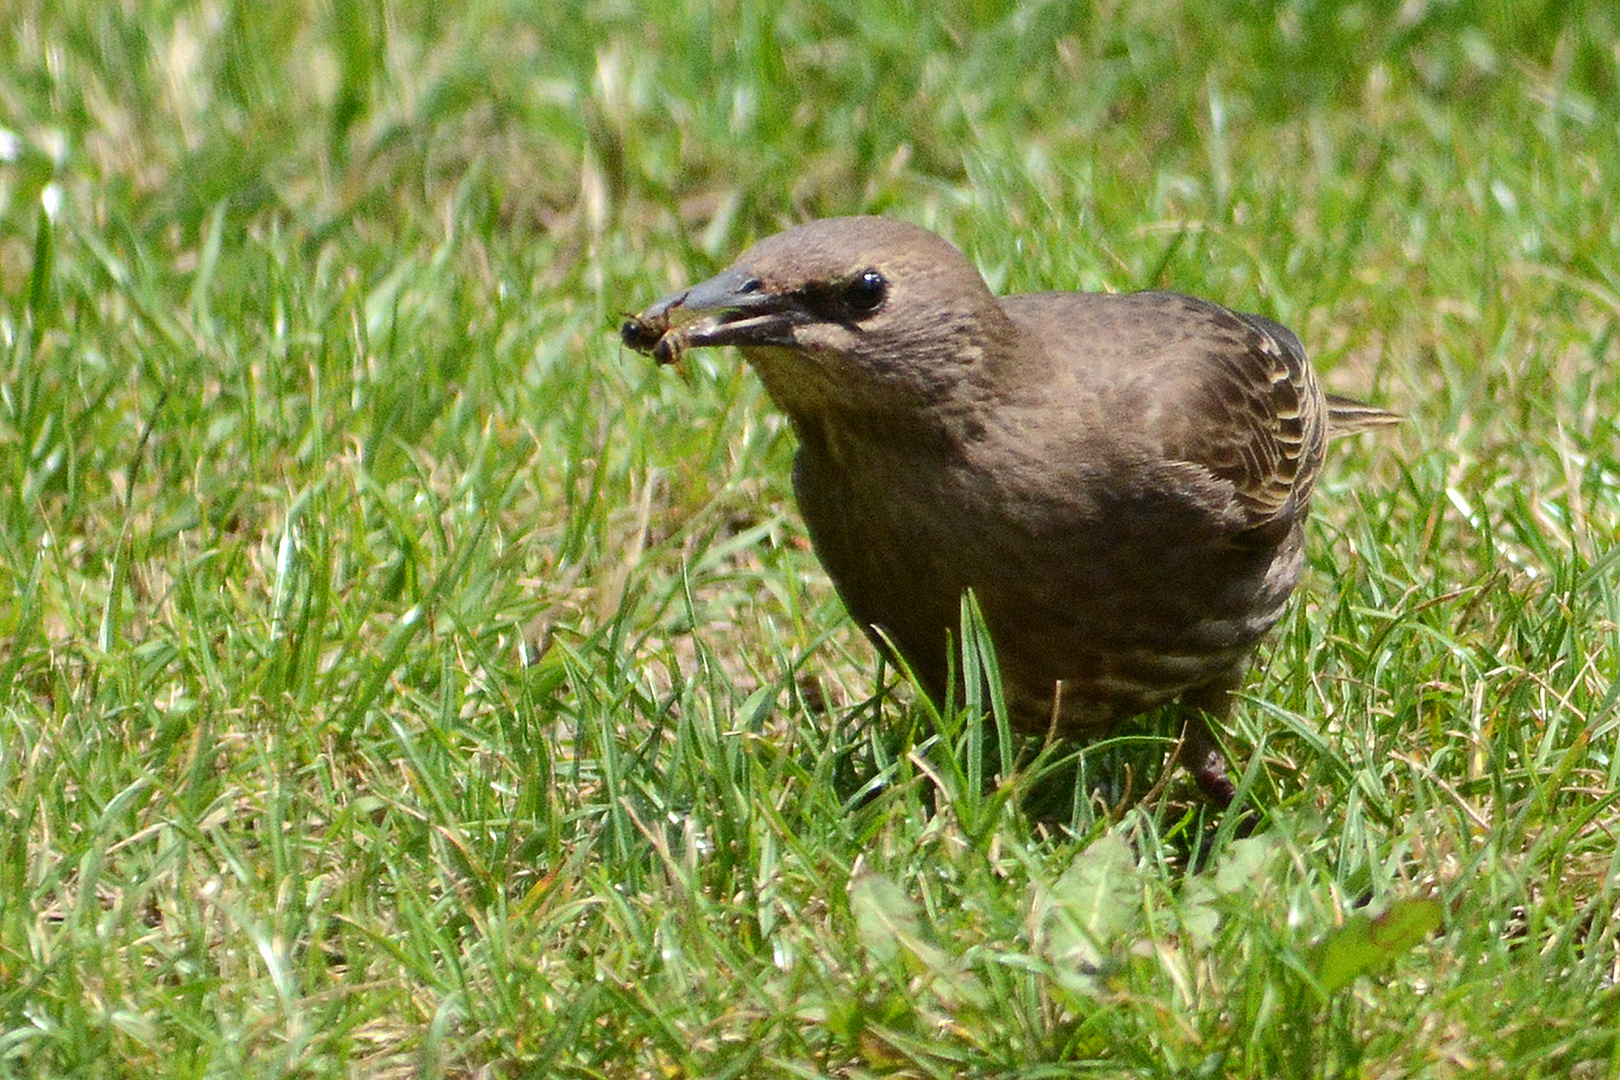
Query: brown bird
[{"x": 1121, "y": 479}]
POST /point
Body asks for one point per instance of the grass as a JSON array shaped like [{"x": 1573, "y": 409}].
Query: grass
[{"x": 404, "y": 679}]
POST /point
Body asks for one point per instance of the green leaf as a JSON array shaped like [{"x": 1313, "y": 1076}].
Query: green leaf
[
  {"x": 884, "y": 916},
  {"x": 1082, "y": 919},
  {"x": 891, "y": 928},
  {"x": 1366, "y": 942}
]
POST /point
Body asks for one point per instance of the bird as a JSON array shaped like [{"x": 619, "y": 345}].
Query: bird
[{"x": 1121, "y": 479}]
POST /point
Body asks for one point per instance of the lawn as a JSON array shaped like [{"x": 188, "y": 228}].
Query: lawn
[{"x": 400, "y": 677}]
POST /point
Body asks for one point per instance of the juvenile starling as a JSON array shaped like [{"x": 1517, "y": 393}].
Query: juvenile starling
[{"x": 1121, "y": 479}]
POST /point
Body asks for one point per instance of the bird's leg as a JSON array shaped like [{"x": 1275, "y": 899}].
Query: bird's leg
[
  {"x": 1200, "y": 754},
  {"x": 1202, "y": 757}
]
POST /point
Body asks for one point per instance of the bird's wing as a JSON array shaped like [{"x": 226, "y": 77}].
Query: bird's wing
[
  {"x": 1263, "y": 422},
  {"x": 1193, "y": 386}
]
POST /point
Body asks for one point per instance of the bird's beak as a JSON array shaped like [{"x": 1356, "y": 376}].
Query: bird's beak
[{"x": 731, "y": 308}]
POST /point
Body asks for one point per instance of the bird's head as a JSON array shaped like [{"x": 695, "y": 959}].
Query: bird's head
[{"x": 857, "y": 314}]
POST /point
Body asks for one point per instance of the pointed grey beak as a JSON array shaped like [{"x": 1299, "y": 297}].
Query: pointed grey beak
[
  {"x": 730, "y": 290},
  {"x": 731, "y": 308}
]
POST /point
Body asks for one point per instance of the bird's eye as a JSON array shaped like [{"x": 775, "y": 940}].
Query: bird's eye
[{"x": 866, "y": 292}]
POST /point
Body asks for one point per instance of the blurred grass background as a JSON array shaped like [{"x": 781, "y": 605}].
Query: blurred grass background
[{"x": 403, "y": 679}]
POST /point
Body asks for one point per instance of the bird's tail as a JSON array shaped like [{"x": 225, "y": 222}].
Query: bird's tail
[{"x": 1346, "y": 416}]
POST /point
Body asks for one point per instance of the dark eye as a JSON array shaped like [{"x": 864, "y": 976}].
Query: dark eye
[{"x": 866, "y": 292}]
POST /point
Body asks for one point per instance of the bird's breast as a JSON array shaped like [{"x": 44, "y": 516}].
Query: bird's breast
[{"x": 1120, "y": 584}]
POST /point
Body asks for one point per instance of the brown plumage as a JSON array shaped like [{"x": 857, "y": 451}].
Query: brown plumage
[{"x": 1121, "y": 479}]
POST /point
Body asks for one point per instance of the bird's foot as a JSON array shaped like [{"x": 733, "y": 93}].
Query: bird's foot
[{"x": 1201, "y": 756}]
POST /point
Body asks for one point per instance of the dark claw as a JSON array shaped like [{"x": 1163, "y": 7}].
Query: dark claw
[{"x": 1201, "y": 756}]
